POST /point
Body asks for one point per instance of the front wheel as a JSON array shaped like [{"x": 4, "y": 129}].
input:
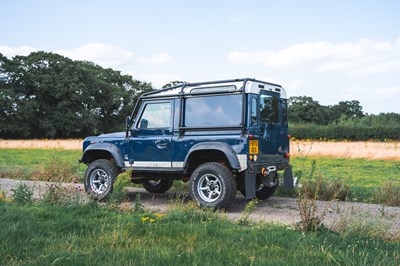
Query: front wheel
[
  {"x": 100, "y": 177},
  {"x": 212, "y": 185},
  {"x": 157, "y": 186}
]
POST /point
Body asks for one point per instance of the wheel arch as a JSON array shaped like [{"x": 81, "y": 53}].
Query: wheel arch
[
  {"x": 102, "y": 151},
  {"x": 213, "y": 152}
]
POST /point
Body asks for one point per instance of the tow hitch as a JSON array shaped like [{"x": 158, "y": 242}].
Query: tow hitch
[{"x": 267, "y": 177}]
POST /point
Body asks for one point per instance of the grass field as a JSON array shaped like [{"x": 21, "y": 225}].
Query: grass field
[
  {"x": 343, "y": 149},
  {"x": 362, "y": 175},
  {"x": 43, "y": 233},
  {"x": 41, "y": 164},
  {"x": 88, "y": 235}
]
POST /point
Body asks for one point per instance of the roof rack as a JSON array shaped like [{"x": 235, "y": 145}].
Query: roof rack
[{"x": 184, "y": 85}]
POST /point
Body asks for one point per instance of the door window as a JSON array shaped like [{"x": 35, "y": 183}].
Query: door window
[{"x": 156, "y": 115}]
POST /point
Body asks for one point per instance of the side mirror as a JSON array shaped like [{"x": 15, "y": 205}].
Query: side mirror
[
  {"x": 127, "y": 126},
  {"x": 144, "y": 124}
]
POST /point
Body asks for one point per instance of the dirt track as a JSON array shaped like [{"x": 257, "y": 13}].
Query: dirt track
[{"x": 275, "y": 209}]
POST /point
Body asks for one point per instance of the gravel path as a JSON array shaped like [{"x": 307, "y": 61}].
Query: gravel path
[{"x": 275, "y": 209}]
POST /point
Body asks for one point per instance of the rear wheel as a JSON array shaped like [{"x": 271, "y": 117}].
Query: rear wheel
[
  {"x": 212, "y": 185},
  {"x": 157, "y": 186}
]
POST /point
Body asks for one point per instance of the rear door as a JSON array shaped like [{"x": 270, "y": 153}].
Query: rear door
[{"x": 270, "y": 126}]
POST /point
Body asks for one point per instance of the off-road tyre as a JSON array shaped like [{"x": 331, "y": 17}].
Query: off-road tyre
[
  {"x": 157, "y": 186},
  {"x": 212, "y": 185},
  {"x": 100, "y": 177}
]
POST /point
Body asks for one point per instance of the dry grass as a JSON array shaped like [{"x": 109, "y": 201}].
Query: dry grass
[
  {"x": 361, "y": 149},
  {"x": 66, "y": 144}
]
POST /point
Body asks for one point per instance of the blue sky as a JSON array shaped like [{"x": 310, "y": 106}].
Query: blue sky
[{"x": 330, "y": 50}]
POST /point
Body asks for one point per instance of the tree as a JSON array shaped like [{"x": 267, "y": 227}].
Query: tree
[
  {"x": 304, "y": 109},
  {"x": 46, "y": 95},
  {"x": 173, "y": 84},
  {"x": 348, "y": 109}
]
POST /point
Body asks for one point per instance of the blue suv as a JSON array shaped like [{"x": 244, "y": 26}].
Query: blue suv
[{"x": 221, "y": 136}]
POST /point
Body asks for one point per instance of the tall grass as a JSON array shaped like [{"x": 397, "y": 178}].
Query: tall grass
[
  {"x": 357, "y": 179},
  {"x": 87, "y": 235},
  {"x": 43, "y": 165}
]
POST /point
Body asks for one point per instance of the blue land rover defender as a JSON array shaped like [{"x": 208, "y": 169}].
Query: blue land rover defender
[{"x": 221, "y": 136}]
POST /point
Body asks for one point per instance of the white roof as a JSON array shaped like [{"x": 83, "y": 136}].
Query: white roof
[{"x": 252, "y": 86}]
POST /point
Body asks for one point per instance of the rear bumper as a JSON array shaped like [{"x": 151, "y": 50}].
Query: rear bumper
[{"x": 261, "y": 168}]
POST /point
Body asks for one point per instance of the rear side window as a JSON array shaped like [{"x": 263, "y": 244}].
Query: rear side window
[
  {"x": 222, "y": 110},
  {"x": 284, "y": 111},
  {"x": 269, "y": 109},
  {"x": 254, "y": 107}
]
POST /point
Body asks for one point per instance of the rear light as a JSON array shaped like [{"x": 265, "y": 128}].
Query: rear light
[
  {"x": 250, "y": 136},
  {"x": 287, "y": 155},
  {"x": 253, "y": 157},
  {"x": 288, "y": 136}
]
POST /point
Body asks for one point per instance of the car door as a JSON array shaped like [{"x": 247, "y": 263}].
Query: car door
[
  {"x": 270, "y": 127},
  {"x": 151, "y": 141}
]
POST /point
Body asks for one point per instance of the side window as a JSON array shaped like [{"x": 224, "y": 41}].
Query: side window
[
  {"x": 210, "y": 111},
  {"x": 254, "y": 107},
  {"x": 156, "y": 115},
  {"x": 269, "y": 109}
]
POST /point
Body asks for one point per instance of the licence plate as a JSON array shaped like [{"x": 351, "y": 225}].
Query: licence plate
[{"x": 253, "y": 146}]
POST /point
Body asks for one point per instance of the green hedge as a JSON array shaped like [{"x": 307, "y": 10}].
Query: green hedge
[{"x": 344, "y": 132}]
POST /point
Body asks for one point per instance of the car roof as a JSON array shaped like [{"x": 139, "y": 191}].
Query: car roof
[{"x": 219, "y": 86}]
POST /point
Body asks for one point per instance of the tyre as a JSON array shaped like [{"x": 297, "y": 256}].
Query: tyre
[
  {"x": 263, "y": 192},
  {"x": 157, "y": 186},
  {"x": 100, "y": 177},
  {"x": 212, "y": 185}
]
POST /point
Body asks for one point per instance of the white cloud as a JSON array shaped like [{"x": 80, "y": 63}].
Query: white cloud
[
  {"x": 106, "y": 55},
  {"x": 157, "y": 59},
  {"x": 159, "y": 80},
  {"x": 13, "y": 51},
  {"x": 294, "y": 85},
  {"x": 359, "y": 58},
  {"x": 103, "y": 54}
]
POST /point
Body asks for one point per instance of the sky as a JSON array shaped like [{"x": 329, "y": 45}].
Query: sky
[{"x": 330, "y": 50}]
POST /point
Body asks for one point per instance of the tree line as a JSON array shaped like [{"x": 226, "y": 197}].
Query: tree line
[
  {"x": 343, "y": 121},
  {"x": 46, "y": 95}
]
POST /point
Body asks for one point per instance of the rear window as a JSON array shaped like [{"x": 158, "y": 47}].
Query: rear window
[
  {"x": 213, "y": 111},
  {"x": 269, "y": 109}
]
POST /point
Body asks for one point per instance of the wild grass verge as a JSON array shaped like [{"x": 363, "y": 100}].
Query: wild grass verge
[
  {"x": 89, "y": 234},
  {"x": 42, "y": 165}
]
